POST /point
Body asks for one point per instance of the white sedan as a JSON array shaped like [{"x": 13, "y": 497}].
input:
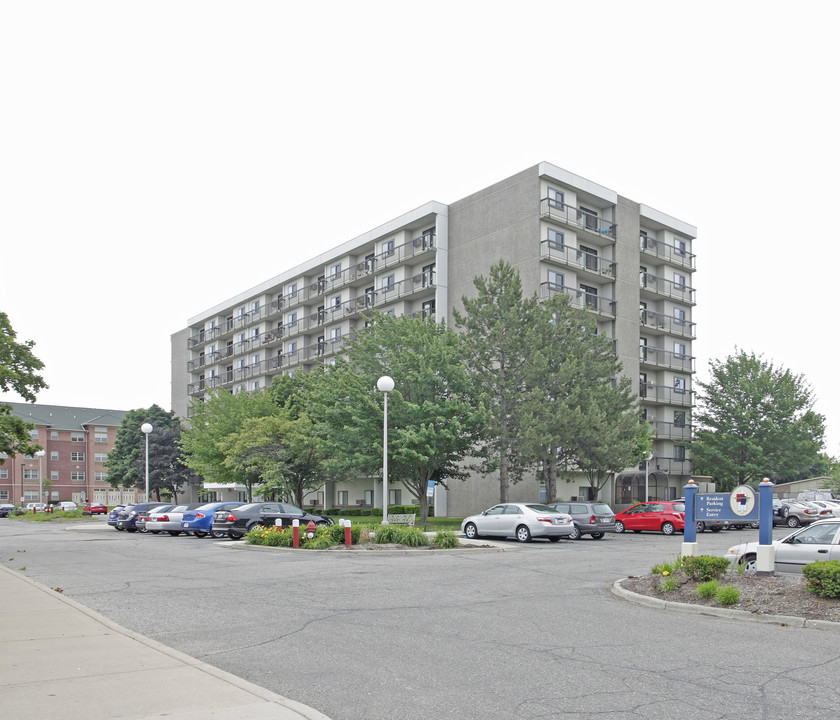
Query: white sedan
[
  {"x": 523, "y": 521},
  {"x": 818, "y": 541},
  {"x": 169, "y": 520}
]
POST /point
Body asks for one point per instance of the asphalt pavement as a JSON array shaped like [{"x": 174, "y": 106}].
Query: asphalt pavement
[{"x": 60, "y": 659}]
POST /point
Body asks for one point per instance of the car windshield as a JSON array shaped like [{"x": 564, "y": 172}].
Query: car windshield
[
  {"x": 536, "y": 507},
  {"x": 602, "y": 509}
]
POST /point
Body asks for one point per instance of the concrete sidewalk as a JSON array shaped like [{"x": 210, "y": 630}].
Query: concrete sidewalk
[{"x": 60, "y": 659}]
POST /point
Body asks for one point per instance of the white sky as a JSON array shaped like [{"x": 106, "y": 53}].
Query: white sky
[{"x": 159, "y": 158}]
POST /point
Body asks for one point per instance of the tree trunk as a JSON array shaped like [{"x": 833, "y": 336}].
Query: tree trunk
[{"x": 550, "y": 477}]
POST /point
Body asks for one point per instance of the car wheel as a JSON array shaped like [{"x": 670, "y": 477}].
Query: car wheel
[
  {"x": 174, "y": 533},
  {"x": 748, "y": 562},
  {"x": 471, "y": 531},
  {"x": 201, "y": 533},
  {"x": 215, "y": 533},
  {"x": 235, "y": 535},
  {"x": 576, "y": 534},
  {"x": 596, "y": 536},
  {"x": 668, "y": 528},
  {"x": 792, "y": 521},
  {"x": 701, "y": 526},
  {"x": 619, "y": 526},
  {"x": 118, "y": 528},
  {"x": 523, "y": 534},
  {"x": 716, "y": 528}
]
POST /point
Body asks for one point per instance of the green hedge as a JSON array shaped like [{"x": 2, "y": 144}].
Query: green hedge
[
  {"x": 704, "y": 567},
  {"x": 823, "y": 578},
  {"x": 375, "y": 512}
]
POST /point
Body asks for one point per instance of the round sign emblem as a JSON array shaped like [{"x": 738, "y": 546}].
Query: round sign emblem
[{"x": 742, "y": 500}]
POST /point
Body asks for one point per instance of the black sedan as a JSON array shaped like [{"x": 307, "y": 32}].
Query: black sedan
[{"x": 237, "y": 522}]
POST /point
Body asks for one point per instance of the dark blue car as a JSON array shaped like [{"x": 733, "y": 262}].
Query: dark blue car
[
  {"x": 127, "y": 517},
  {"x": 199, "y": 522}
]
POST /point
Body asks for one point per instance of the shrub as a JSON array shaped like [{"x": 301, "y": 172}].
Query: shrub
[
  {"x": 446, "y": 539},
  {"x": 668, "y": 585},
  {"x": 337, "y": 533},
  {"x": 708, "y": 589},
  {"x": 704, "y": 567},
  {"x": 401, "y": 535},
  {"x": 728, "y": 594},
  {"x": 823, "y": 578},
  {"x": 667, "y": 568}
]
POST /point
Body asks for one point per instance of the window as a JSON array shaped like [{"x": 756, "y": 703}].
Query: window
[
  {"x": 590, "y": 258},
  {"x": 428, "y": 308},
  {"x": 679, "y": 350},
  {"x": 53, "y": 474},
  {"x": 555, "y": 198},
  {"x": 100, "y": 457},
  {"x": 100, "y": 437},
  {"x": 33, "y": 434},
  {"x": 255, "y": 385},
  {"x": 291, "y": 347},
  {"x": 590, "y": 296},
  {"x": 387, "y": 283},
  {"x": 555, "y": 280},
  {"x": 255, "y": 333},
  {"x": 679, "y": 316},
  {"x": 336, "y": 270},
  {"x": 370, "y": 295},
  {"x": 77, "y": 457},
  {"x": 679, "y": 247},
  {"x": 368, "y": 497},
  {"x": 679, "y": 281},
  {"x": 77, "y": 437},
  {"x": 556, "y": 239},
  {"x": 335, "y": 334},
  {"x": 679, "y": 384},
  {"x": 255, "y": 306},
  {"x": 54, "y": 435},
  {"x": 643, "y": 349},
  {"x": 395, "y": 497},
  {"x": 343, "y": 497},
  {"x": 4, "y": 494},
  {"x": 291, "y": 289},
  {"x": 77, "y": 476},
  {"x": 100, "y": 477},
  {"x": 588, "y": 218},
  {"x": 292, "y": 320},
  {"x": 679, "y": 452},
  {"x": 4, "y": 475},
  {"x": 53, "y": 455},
  {"x": 428, "y": 275},
  {"x": 679, "y": 418},
  {"x": 388, "y": 248},
  {"x": 336, "y": 302}
]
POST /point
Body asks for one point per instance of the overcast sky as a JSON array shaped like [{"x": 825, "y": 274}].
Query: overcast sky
[{"x": 159, "y": 158}]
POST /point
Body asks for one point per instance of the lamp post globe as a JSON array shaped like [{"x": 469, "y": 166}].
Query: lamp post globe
[
  {"x": 385, "y": 384},
  {"x": 146, "y": 428}
]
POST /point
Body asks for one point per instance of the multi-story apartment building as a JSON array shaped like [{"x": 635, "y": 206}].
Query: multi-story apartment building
[
  {"x": 76, "y": 443},
  {"x": 629, "y": 265}
]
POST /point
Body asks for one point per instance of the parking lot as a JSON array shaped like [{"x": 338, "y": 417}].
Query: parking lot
[{"x": 517, "y": 630}]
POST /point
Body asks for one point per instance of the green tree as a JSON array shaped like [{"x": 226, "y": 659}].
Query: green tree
[
  {"x": 168, "y": 473},
  {"x": 495, "y": 330},
  {"x": 434, "y": 421},
  {"x": 580, "y": 415},
  {"x": 221, "y": 415},
  {"x": 18, "y": 373},
  {"x": 755, "y": 420},
  {"x": 127, "y": 460}
]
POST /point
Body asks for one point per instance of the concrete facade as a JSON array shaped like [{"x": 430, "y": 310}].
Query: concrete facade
[{"x": 627, "y": 264}]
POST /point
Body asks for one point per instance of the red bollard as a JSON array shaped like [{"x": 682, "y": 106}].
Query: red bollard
[
  {"x": 296, "y": 533},
  {"x": 348, "y": 534}
]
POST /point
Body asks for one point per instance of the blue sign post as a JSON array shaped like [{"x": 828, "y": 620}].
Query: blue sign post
[{"x": 765, "y": 557}]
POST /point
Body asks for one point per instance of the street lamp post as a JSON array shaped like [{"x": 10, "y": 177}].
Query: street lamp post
[
  {"x": 40, "y": 455},
  {"x": 385, "y": 384},
  {"x": 147, "y": 428}
]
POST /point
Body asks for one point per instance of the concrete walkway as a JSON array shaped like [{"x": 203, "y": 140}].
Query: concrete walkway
[{"x": 59, "y": 659}]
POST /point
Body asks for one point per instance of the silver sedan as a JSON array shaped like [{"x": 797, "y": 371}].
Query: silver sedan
[
  {"x": 818, "y": 541},
  {"x": 170, "y": 520},
  {"x": 523, "y": 521}
]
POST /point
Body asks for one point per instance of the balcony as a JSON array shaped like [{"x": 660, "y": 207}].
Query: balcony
[
  {"x": 667, "y": 324},
  {"x": 670, "y": 253},
  {"x": 665, "y": 359},
  {"x": 665, "y": 394},
  {"x": 655, "y": 286},
  {"x": 579, "y": 219},
  {"x": 580, "y": 299},
  {"x": 671, "y": 431},
  {"x": 578, "y": 259}
]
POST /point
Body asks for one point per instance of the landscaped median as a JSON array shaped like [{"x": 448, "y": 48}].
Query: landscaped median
[{"x": 328, "y": 537}]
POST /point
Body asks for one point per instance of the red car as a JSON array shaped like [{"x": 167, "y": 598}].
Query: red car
[
  {"x": 667, "y": 516},
  {"x": 95, "y": 510}
]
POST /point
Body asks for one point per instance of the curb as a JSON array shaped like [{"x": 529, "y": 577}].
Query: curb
[{"x": 784, "y": 620}]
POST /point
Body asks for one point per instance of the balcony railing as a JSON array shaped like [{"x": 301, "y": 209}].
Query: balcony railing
[
  {"x": 649, "y": 355},
  {"x": 667, "y": 323},
  {"x": 557, "y": 210},
  {"x": 667, "y": 288},
  {"x": 666, "y": 394},
  {"x": 671, "y": 431},
  {"x": 573, "y": 257},
  {"x": 671, "y": 253},
  {"x": 580, "y": 299}
]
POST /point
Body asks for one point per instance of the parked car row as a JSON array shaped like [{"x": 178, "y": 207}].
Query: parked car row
[{"x": 216, "y": 519}]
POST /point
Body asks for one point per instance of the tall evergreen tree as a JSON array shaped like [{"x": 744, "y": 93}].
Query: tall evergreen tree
[{"x": 495, "y": 330}]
